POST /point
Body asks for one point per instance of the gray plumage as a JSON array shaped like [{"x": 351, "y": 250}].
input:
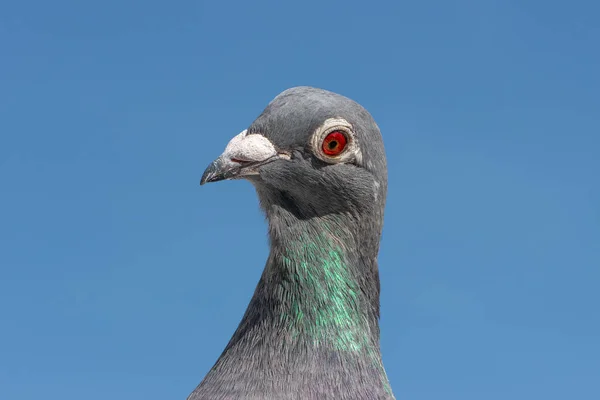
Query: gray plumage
[{"x": 311, "y": 330}]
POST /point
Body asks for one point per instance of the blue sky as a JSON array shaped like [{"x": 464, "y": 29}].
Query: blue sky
[{"x": 121, "y": 278}]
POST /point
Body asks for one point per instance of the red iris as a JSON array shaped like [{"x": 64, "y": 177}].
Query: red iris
[{"x": 334, "y": 143}]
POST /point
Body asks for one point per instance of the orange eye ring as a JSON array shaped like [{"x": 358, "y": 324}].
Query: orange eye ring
[{"x": 334, "y": 143}]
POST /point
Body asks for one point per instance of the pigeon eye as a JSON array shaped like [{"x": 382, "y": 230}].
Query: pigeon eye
[{"x": 334, "y": 143}]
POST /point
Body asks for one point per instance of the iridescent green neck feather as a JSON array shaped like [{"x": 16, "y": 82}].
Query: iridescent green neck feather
[
  {"x": 323, "y": 302},
  {"x": 326, "y": 305}
]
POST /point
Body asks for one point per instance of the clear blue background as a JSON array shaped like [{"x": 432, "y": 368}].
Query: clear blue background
[{"x": 121, "y": 278}]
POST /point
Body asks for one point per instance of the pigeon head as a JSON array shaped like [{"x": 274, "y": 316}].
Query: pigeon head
[
  {"x": 311, "y": 330},
  {"x": 311, "y": 152}
]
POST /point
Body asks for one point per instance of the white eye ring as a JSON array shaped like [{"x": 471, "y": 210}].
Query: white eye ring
[{"x": 331, "y": 125}]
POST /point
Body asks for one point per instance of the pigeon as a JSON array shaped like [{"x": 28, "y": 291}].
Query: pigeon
[{"x": 311, "y": 331}]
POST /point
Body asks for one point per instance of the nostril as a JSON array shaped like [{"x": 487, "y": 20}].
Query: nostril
[{"x": 285, "y": 155}]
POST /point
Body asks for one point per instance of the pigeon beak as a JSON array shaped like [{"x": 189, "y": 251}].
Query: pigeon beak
[{"x": 241, "y": 158}]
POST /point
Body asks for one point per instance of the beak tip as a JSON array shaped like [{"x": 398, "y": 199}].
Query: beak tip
[
  {"x": 213, "y": 173},
  {"x": 206, "y": 177}
]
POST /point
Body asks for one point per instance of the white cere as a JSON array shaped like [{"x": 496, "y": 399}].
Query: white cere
[{"x": 249, "y": 147}]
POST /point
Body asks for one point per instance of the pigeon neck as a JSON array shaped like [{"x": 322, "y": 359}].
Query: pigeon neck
[
  {"x": 319, "y": 286},
  {"x": 311, "y": 329}
]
